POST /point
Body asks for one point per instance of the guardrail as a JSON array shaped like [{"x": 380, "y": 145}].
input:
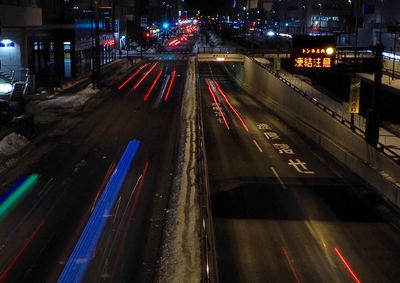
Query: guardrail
[
  {"x": 381, "y": 147},
  {"x": 227, "y": 50},
  {"x": 209, "y": 268}
]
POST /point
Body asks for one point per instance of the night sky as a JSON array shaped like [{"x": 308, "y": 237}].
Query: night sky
[{"x": 208, "y": 7}]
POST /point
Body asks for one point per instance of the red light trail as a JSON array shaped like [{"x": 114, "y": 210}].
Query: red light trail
[
  {"x": 10, "y": 266},
  {"x": 230, "y": 105},
  {"x": 173, "y": 74},
  {"x": 217, "y": 104},
  {"x": 347, "y": 265},
  {"x": 144, "y": 76},
  {"x": 133, "y": 75},
  {"x": 152, "y": 86}
]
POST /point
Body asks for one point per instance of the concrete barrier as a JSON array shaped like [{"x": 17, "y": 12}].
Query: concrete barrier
[{"x": 344, "y": 145}]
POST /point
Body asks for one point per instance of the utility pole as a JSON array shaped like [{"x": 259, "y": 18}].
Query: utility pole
[
  {"x": 357, "y": 8},
  {"x": 92, "y": 45},
  {"x": 373, "y": 114},
  {"x": 394, "y": 53},
  {"x": 97, "y": 43}
]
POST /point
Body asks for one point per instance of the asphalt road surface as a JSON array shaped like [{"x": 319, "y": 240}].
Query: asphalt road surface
[
  {"x": 68, "y": 170},
  {"x": 283, "y": 210}
]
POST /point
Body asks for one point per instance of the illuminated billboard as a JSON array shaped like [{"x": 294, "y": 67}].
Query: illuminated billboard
[{"x": 313, "y": 52}]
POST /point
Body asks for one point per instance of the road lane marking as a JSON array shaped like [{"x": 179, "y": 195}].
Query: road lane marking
[
  {"x": 278, "y": 177},
  {"x": 259, "y": 148}
]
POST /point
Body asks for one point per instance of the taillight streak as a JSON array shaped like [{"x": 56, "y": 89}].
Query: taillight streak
[
  {"x": 291, "y": 266},
  {"x": 132, "y": 76},
  {"x": 347, "y": 265},
  {"x": 217, "y": 104},
  {"x": 173, "y": 74},
  {"x": 172, "y": 42},
  {"x": 137, "y": 191},
  {"x": 144, "y": 76},
  {"x": 231, "y": 106},
  {"x": 4, "y": 274},
  {"x": 152, "y": 86}
]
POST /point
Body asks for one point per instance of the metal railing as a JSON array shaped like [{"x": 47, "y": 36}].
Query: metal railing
[
  {"x": 387, "y": 151},
  {"x": 209, "y": 270}
]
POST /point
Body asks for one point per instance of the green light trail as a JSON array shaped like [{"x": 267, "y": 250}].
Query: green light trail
[{"x": 19, "y": 193}]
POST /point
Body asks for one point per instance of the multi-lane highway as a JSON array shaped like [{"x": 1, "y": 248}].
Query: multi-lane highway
[
  {"x": 284, "y": 211},
  {"x": 90, "y": 198}
]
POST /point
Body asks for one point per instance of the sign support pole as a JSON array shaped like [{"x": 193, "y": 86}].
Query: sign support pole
[{"x": 373, "y": 114}]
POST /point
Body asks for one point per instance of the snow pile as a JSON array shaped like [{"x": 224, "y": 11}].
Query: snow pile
[
  {"x": 8, "y": 164},
  {"x": 68, "y": 101},
  {"x": 181, "y": 256},
  {"x": 12, "y": 143}
]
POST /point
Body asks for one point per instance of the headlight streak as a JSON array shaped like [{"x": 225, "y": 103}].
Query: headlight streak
[
  {"x": 144, "y": 76},
  {"x": 79, "y": 260},
  {"x": 162, "y": 91},
  {"x": 217, "y": 104},
  {"x": 132, "y": 76},
  {"x": 347, "y": 265},
  {"x": 230, "y": 105},
  {"x": 138, "y": 190},
  {"x": 152, "y": 86},
  {"x": 4, "y": 274},
  {"x": 173, "y": 75},
  {"x": 17, "y": 195}
]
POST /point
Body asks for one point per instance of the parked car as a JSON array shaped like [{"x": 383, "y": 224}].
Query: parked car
[{"x": 6, "y": 114}]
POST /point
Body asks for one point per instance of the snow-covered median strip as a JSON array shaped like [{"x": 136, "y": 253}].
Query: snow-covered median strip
[
  {"x": 12, "y": 143},
  {"x": 180, "y": 256}
]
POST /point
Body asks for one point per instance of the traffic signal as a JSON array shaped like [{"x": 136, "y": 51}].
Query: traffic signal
[
  {"x": 165, "y": 25},
  {"x": 147, "y": 35}
]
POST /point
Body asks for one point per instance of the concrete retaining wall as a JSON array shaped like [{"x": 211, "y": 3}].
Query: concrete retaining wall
[{"x": 346, "y": 146}]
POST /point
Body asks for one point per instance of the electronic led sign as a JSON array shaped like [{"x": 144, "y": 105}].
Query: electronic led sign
[{"x": 313, "y": 52}]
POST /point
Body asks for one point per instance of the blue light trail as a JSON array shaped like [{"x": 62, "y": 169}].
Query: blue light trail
[{"x": 83, "y": 252}]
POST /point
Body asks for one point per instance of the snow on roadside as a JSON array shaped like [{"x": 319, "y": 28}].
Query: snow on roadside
[
  {"x": 180, "y": 256},
  {"x": 67, "y": 101},
  {"x": 12, "y": 143}
]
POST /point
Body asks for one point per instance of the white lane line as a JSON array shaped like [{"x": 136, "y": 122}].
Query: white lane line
[
  {"x": 278, "y": 177},
  {"x": 259, "y": 148}
]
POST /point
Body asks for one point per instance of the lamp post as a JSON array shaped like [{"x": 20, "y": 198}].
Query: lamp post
[
  {"x": 394, "y": 53},
  {"x": 95, "y": 42}
]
